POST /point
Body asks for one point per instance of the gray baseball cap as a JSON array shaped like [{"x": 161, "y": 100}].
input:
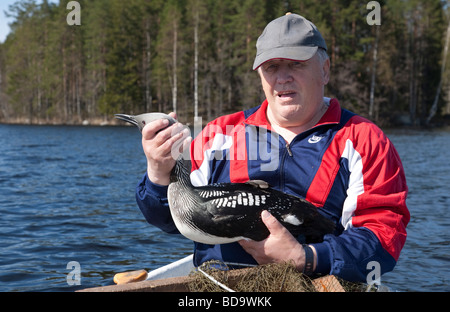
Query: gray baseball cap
[{"x": 290, "y": 37}]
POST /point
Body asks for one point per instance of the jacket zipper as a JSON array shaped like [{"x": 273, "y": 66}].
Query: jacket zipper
[
  {"x": 289, "y": 149},
  {"x": 282, "y": 169}
]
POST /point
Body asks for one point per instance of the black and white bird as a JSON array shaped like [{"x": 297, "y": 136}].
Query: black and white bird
[{"x": 227, "y": 212}]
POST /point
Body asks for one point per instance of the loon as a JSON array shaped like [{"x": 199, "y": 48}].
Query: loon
[{"x": 228, "y": 212}]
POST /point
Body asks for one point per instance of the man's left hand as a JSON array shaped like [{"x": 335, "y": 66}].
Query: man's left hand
[{"x": 279, "y": 246}]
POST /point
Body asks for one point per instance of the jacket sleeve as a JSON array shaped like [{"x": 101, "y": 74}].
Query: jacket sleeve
[
  {"x": 152, "y": 201},
  {"x": 350, "y": 255},
  {"x": 374, "y": 214}
]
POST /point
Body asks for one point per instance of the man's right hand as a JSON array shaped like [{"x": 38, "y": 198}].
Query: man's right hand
[{"x": 162, "y": 147}]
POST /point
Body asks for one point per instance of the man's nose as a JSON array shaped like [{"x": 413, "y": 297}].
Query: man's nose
[{"x": 284, "y": 75}]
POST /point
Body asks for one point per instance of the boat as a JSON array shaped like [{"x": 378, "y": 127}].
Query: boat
[
  {"x": 178, "y": 268},
  {"x": 175, "y": 277}
]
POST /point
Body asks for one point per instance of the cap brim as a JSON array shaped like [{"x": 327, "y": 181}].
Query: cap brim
[{"x": 290, "y": 53}]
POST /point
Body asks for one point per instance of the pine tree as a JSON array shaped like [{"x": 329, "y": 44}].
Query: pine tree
[{"x": 24, "y": 59}]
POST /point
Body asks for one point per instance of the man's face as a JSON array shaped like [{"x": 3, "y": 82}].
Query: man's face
[{"x": 294, "y": 90}]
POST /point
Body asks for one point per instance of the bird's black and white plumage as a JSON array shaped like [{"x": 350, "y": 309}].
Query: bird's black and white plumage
[{"x": 227, "y": 212}]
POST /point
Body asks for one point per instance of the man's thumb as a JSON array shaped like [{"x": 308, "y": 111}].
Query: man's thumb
[{"x": 271, "y": 222}]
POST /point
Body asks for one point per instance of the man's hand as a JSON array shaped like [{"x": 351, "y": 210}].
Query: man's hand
[
  {"x": 161, "y": 147},
  {"x": 279, "y": 246}
]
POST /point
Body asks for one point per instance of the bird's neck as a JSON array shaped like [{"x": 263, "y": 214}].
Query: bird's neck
[{"x": 180, "y": 173}]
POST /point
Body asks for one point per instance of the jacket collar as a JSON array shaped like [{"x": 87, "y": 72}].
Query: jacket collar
[{"x": 331, "y": 116}]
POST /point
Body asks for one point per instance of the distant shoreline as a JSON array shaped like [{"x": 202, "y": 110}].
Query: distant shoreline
[
  {"x": 442, "y": 122},
  {"x": 85, "y": 122}
]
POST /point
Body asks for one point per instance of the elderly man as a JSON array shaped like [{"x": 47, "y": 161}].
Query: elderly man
[{"x": 337, "y": 160}]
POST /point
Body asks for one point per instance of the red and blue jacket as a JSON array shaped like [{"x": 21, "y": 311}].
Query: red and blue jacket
[{"x": 344, "y": 165}]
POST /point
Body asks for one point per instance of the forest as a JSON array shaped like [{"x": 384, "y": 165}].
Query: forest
[{"x": 195, "y": 57}]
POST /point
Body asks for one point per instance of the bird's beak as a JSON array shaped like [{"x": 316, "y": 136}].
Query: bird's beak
[{"x": 127, "y": 118}]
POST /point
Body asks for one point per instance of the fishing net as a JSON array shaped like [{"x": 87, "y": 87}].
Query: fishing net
[{"x": 215, "y": 276}]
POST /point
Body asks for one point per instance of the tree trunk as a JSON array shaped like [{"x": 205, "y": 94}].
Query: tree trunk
[
  {"x": 196, "y": 67},
  {"x": 147, "y": 69},
  {"x": 64, "y": 84},
  {"x": 412, "y": 69},
  {"x": 174, "y": 87},
  {"x": 433, "y": 108},
  {"x": 374, "y": 71}
]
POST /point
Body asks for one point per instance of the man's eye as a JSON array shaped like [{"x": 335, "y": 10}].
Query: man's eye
[
  {"x": 297, "y": 64},
  {"x": 271, "y": 67}
]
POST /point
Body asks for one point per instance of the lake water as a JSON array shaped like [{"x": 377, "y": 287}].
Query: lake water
[{"x": 67, "y": 194}]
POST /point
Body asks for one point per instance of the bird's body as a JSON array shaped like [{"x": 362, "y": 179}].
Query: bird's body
[{"x": 228, "y": 212}]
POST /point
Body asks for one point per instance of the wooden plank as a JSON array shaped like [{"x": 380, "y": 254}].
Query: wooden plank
[{"x": 172, "y": 284}]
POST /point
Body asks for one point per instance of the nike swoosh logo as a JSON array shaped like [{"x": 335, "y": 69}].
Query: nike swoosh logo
[{"x": 314, "y": 139}]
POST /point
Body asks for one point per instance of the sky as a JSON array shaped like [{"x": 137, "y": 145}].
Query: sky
[{"x": 4, "y": 28}]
